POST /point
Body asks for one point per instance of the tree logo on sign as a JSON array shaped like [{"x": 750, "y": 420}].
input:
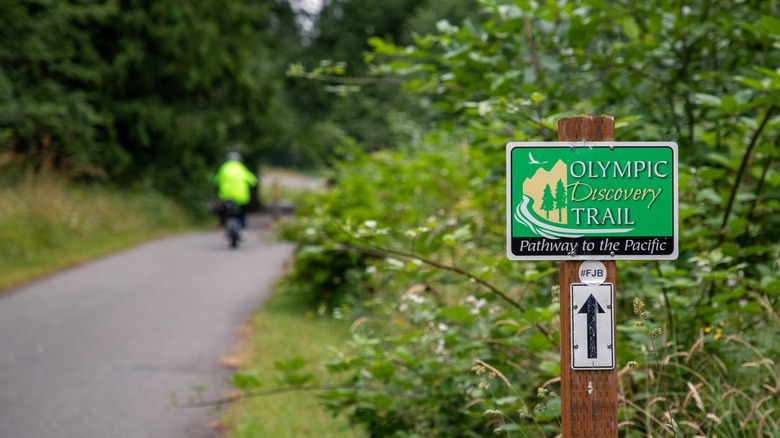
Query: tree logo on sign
[{"x": 540, "y": 200}]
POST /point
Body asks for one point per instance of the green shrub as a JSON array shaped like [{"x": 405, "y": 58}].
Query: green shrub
[{"x": 695, "y": 358}]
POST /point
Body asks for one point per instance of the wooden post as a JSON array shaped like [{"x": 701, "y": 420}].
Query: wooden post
[{"x": 589, "y": 405}]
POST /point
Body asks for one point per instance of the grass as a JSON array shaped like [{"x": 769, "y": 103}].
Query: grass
[
  {"x": 719, "y": 386},
  {"x": 48, "y": 223},
  {"x": 282, "y": 331}
]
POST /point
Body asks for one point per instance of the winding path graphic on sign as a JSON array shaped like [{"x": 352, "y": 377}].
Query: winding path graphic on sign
[{"x": 525, "y": 217}]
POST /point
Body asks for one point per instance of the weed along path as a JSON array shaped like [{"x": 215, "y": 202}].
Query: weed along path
[{"x": 99, "y": 350}]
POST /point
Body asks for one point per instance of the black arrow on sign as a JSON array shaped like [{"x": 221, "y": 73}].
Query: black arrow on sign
[{"x": 591, "y": 308}]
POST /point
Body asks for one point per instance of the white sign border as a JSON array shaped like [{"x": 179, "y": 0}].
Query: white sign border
[
  {"x": 592, "y": 144},
  {"x": 612, "y": 347}
]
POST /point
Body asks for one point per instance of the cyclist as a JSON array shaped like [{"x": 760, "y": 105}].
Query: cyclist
[{"x": 235, "y": 182}]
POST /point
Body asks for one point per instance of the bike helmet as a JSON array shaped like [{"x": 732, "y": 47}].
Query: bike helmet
[{"x": 234, "y": 156}]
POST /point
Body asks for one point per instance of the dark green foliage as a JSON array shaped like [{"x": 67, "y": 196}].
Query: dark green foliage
[
  {"x": 352, "y": 110},
  {"x": 49, "y": 73},
  {"x": 696, "y": 335},
  {"x": 363, "y": 20},
  {"x": 326, "y": 279},
  {"x": 145, "y": 92},
  {"x": 217, "y": 86}
]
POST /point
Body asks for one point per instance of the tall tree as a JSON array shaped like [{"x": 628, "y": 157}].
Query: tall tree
[
  {"x": 49, "y": 74},
  {"x": 145, "y": 91},
  {"x": 367, "y": 114},
  {"x": 548, "y": 201},
  {"x": 561, "y": 198},
  {"x": 187, "y": 81}
]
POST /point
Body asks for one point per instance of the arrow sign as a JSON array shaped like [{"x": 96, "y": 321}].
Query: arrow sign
[
  {"x": 592, "y": 326},
  {"x": 591, "y": 308}
]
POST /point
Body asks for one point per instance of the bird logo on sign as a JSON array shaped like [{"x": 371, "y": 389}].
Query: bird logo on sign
[{"x": 533, "y": 160}]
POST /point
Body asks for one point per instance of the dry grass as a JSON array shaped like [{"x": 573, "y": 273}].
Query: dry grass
[
  {"x": 706, "y": 397},
  {"x": 47, "y": 223}
]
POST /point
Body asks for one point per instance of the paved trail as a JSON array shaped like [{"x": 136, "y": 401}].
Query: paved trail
[{"x": 98, "y": 351}]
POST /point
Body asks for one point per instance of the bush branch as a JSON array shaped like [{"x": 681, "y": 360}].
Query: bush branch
[
  {"x": 741, "y": 172},
  {"x": 383, "y": 252},
  {"x": 251, "y": 394}
]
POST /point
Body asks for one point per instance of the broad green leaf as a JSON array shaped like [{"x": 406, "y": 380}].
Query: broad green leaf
[
  {"x": 756, "y": 84},
  {"x": 707, "y": 99},
  {"x": 771, "y": 24},
  {"x": 711, "y": 195},
  {"x": 630, "y": 28},
  {"x": 382, "y": 370},
  {"x": 729, "y": 104},
  {"x": 293, "y": 364},
  {"x": 458, "y": 313},
  {"x": 395, "y": 263},
  {"x": 295, "y": 379},
  {"x": 246, "y": 382},
  {"x": 625, "y": 121},
  {"x": 550, "y": 367},
  {"x": 539, "y": 342},
  {"x": 722, "y": 160},
  {"x": 509, "y": 427},
  {"x": 309, "y": 250},
  {"x": 507, "y": 400}
]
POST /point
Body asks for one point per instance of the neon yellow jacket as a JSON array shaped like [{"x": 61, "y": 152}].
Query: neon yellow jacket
[{"x": 234, "y": 181}]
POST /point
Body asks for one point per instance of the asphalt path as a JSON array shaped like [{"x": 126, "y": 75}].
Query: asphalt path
[{"x": 103, "y": 350}]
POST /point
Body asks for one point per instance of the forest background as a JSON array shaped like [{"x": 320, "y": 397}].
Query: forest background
[{"x": 408, "y": 105}]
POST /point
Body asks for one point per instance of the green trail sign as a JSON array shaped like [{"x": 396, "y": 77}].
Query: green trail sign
[{"x": 592, "y": 200}]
